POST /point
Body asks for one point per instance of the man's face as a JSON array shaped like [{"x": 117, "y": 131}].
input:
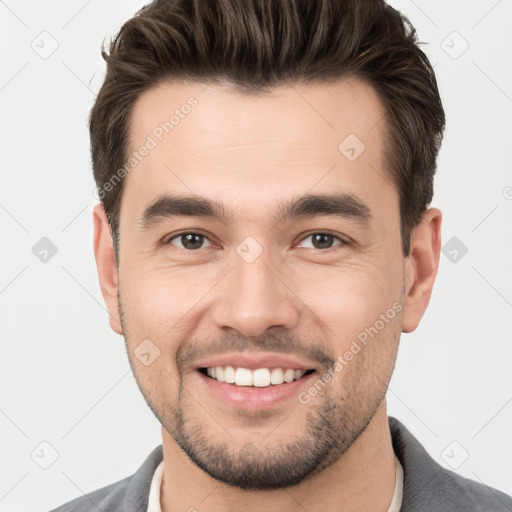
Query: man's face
[{"x": 257, "y": 289}]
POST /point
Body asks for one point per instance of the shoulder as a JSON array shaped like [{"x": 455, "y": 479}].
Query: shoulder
[
  {"x": 430, "y": 487},
  {"x": 131, "y": 493},
  {"x": 106, "y": 499}
]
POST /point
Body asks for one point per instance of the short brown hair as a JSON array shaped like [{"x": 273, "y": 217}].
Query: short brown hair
[{"x": 255, "y": 45}]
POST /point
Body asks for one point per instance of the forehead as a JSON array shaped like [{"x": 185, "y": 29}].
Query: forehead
[
  {"x": 211, "y": 141},
  {"x": 289, "y": 113}
]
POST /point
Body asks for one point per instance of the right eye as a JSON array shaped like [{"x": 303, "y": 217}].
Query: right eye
[{"x": 189, "y": 241}]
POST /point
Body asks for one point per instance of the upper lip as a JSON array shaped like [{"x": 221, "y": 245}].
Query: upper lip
[{"x": 253, "y": 361}]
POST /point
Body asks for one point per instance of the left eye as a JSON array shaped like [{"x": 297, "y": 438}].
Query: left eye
[{"x": 322, "y": 240}]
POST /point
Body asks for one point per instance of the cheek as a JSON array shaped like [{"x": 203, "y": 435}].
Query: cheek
[
  {"x": 159, "y": 302},
  {"x": 350, "y": 296},
  {"x": 148, "y": 302}
]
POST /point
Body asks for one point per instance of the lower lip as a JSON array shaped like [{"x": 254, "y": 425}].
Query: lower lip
[{"x": 252, "y": 398}]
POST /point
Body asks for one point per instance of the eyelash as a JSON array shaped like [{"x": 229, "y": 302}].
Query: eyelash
[{"x": 342, "y": 242}]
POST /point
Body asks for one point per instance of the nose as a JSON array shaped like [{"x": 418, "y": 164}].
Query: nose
[{"x": 254, "y": 298}]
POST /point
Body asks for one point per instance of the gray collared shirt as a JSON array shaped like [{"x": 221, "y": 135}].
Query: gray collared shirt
[{"x": 427, "y": 486}]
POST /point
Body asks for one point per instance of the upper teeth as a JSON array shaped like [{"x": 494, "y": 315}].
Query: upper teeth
[{"x": 262, "y": 377}]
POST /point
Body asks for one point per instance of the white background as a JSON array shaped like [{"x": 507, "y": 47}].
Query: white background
[{"x": 65, "y": 377}]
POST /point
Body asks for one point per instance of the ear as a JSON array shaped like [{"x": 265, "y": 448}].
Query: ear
[
  {"x": 421, "y": 267},
  {"x": 106, "y": 265}
]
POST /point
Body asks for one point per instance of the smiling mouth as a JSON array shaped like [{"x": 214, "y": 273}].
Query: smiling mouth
[{"x": 260, "y": 377}]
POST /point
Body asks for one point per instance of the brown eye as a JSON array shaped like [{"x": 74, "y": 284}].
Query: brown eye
[
  {"x": 188, "y": 241},
  {"x": 322, "y": 241}
]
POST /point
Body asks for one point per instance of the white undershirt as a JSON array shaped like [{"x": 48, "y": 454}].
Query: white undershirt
[{"x": 156, "y": 482}]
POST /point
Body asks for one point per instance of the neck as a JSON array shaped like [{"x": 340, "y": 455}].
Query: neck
[{"x": 362, "y": 479}]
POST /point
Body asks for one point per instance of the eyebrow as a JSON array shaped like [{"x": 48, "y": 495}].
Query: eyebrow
[{"x": 342, "y": 205}]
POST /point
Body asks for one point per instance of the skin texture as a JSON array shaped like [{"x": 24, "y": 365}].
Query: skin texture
[{"x": 251, "y": 153}]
